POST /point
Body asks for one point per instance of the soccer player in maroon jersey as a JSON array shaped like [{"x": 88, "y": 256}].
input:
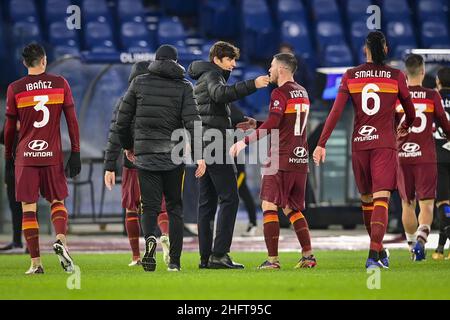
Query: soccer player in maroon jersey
[
  {"x": 37, "y": 101},
  {"x": 373, "y": 88},
  {"x": 417, "y": 174},
  {"x": 289, "y": 109}
]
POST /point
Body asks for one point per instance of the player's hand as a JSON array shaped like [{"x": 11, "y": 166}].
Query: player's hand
[
  {"x": 402, "y": 130},
  {"x": 247, "y": 125},
  {"x": 201, "y": 169},
  {"x": 319, "y": 155},
  {"x": 237, "y": 148},
  {"x": 262, "y": 82},
  {"x": 73, "y": 167},
  {"x": 130, "y": 155},
  {"x": 110, "y": 179}
]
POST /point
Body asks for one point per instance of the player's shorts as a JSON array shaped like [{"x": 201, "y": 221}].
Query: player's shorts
[
  {"x": 131, "y": 192},
  {"x": 443, "y": 182},
  {"x": 50, "y": 181},
  {"x": 285, "y": 189},
  {"x": 375, "y": 170},
  {"x": 417, "y": 181}
]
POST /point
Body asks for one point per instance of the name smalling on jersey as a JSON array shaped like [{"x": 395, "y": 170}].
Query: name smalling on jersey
[{"x": 373, "y": 74}]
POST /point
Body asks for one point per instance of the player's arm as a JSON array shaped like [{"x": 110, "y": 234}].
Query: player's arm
[
  {"x": 113, "y": 147},
  {"x": 127, "y": 112},
  {"x": 440, "y": 115},
  {"x": 220, "y": 92},
  {"x": 408, "y": 106},
  {"x": 332, "y": 119},
  {"x": 10, "y": 124},
  {"x": 74, "y": 163}
]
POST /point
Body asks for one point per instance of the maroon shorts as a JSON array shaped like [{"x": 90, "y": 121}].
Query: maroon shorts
[
  {"x": 131, "y": 193},
  {"x": 285, "y": 189},
  {"x": 49, "y": 180},
  {"x": 375, "y": 170},
  {"x": 417, "y": 181}
]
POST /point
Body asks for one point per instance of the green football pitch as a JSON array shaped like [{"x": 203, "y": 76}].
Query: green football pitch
[{"x": 339, "y": 275}]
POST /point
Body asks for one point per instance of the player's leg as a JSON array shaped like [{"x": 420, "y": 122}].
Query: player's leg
[
  {"x": 271, "y": 231},
  {"x": 30, "y": 228},
  {"x": 59, "y": 221},
  {"x": 163, "y": 224},
  {"x": 443, "y": 208},
  {"x": 367, "y": 208},
  {"x": 131, "y": 201},
  {"x": 247, "y": 198},
  {"x": 410, "y": 223},
  {"x": 378, "y": 224}
]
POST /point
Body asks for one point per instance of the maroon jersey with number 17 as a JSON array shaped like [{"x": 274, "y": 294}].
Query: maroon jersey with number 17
[{"x": 37, "y": 101}]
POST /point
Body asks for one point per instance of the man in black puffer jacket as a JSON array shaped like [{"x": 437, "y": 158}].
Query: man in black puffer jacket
[
  {"x": 161, "y": 102},
  {"x": 219, "y": 183}
]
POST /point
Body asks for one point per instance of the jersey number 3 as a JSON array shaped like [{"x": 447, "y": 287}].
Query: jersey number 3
[{"x": 42, "y": 100}]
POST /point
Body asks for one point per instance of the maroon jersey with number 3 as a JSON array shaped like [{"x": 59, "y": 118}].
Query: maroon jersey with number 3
[
  {"x": 418, "y": 146},
  {"x": 37, "y": 101}
]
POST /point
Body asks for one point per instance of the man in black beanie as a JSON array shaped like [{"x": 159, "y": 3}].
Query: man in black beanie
[{"x": 161, "y": 102}]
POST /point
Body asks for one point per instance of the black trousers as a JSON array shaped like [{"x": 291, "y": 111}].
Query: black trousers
[
  {"x": 153, "y": 184},
  {"x": 217, "y": 186},
  {"x": 16, "y": 209},
  {"x": 245, "y": 194}
]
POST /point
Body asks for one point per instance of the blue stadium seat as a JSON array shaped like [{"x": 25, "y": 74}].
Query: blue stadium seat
[
  {"x": 23, "y": 10},
  {"x": 291, "y": 10},
  {"x": 400, "y": 33},
  {"x": 432, "y": 10},
  {"x": 98, "y": 37},
  {"x": 356, "y": 9},
  {"x": 258, "y": 35},
  {"x": 297, "y": 34},
  {"x": 171, "y": 31},
  {"x": 329, "y": 33},
  {"x": 358, "y": 34},
  {"x": 326, "y": 10},
  {"x": 59, "y": 34},
  {"x": 217, "y": 18},
  {"x": 135, "y": 36},
  {"x": 63, "y": 51},
  {"x": 180, "y": 7},
  {"x": 337, "y": 56},
  {"x": 260, "y": 100},
  {"x": 96, "y": 10},
  {"x": 434, "y": 34},
  {"x": 56, "y": 10},
  {"x": 130, "y": 10},
  {"x": 26, "y": 32},
  {"x": 395, "y": 10}
]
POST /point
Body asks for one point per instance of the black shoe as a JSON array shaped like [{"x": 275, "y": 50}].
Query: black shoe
[
  {"x": 149, "y": 260},
  {"x": 447, "y": 231},
  {"x": 12, "y": 247},
  {"x": 203, "y": 262},
  {"x": 173, "y": 267},
  {"x": 223, "y": 262}
]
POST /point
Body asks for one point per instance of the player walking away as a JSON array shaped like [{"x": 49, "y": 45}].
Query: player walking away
[
  {"x": 37, "y": 101},
  {"x": 131, "y": 194},
  {"x": 289, "y": 109},
  {"x": 417, "y": 174},
  {"x": 443, "y": 167},
  {"x": 373, "y": 88}
]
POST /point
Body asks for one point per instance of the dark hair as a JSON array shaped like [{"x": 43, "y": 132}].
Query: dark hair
[
  {"x": 32, "y": 54},
  {"x": 414, "y": 63},
  {"x": 443, "y": 75},
  {"x": 375, "y": 42},
  {"x": 288, "y": 59},
  {"x": 222, "y": 49}
]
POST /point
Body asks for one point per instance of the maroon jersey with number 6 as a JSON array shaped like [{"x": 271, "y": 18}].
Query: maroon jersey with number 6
[
  {"x": 418, "y": 146},
  {"x": 37, "y": 101}
]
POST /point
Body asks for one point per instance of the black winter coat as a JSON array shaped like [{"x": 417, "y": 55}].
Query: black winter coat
[
  {"x": 161, "y": 102},
  {"x": 214, "y": 95}
]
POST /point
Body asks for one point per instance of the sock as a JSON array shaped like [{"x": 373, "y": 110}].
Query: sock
[
  {"x": 163, "y": 223},
  {"x": 378, "y": 223},
  {"x": 298, "y": 220},
  {"x": 444, "y": 221},
  {"x": 410, "y": 238},
  {"x": 422, "y": 233},
  {"x": 59, "y": 218},
  {"x": 367, "y": 208},
  {"x": 133, "y": 231},
  {"x": 271, "y": 232},
  {"x": 30, "y": 228}
]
